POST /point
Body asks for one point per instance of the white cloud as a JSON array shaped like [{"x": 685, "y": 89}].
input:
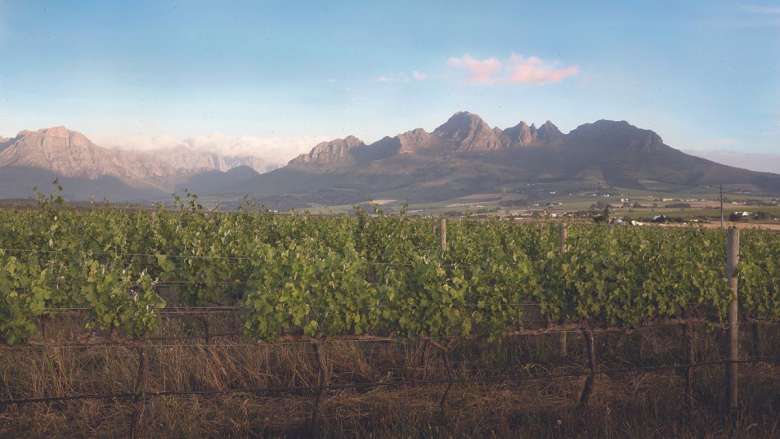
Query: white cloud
[
  {"x": 276, "y": 151},
  {"x": 415, "y": 75},
  {"x": 419, "y": 76},
  {"x": 394, "y": 77}
]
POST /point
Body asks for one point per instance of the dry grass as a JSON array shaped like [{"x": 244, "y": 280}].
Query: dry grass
[{"x": 499, "y": 389}]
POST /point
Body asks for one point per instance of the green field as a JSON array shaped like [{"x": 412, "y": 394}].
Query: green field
[{"x": 360, "y": 274}]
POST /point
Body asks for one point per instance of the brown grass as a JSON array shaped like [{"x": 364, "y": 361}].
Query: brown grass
[{"x": 506, "y": 388}]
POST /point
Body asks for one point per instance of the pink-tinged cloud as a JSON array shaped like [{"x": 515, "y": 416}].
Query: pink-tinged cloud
[
  {"x": 533, "y": 70},
  {"x": 479, "y": 71},
  {"x": 517, "y": 69}
]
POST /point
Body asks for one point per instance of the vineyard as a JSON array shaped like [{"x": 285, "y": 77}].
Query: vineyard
[{"x": 308, "y": 305}]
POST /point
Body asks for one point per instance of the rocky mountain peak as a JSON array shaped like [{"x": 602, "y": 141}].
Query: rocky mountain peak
[
  {"x": 617, "y": 135},
  {"x": 71, "y": 154},
  {"x": 461, "y": 126},
  {"x": 414, "y": 140},
  {"x": 54, "y": 137},
  {"x": 58, "y": 131},
  {"x": 466, "y": 131},
  {"x": 521, "y": 134},
  {"x": 329, "y": 153},
  {"x": 548, "y": 132},
  {"x": 524, "y": 135}
]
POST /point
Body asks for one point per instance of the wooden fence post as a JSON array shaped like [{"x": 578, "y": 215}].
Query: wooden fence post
[
  {"x": 732, "y": 262},
  {"x": 443, "y": 234},
  {"x": 139, "y": 393},
  {"x": 322, "y": 384},
  {"x": 564, "y": 234},
  {"x": 590, "y": 350}
]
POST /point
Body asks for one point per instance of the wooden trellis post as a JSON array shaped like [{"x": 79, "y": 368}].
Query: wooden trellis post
[
  {"x": 322, "y": 384},
  {"x": 443, "y": 234},
  {"x": 590, "y": 351},
  {"x": 139, "y": 393}
]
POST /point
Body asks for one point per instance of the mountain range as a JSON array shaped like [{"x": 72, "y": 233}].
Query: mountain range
[
  {"x": 463, "y": 156},
  {"x": 35, "y": 158}
]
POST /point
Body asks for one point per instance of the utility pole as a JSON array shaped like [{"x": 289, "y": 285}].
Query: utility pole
[{"x": 443, "y": 234}]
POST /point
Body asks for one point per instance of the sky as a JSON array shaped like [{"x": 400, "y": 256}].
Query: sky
[{"x": 705, "y": 75}]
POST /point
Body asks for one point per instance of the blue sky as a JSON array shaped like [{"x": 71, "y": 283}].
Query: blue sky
[{"x": 703, "y": 74}]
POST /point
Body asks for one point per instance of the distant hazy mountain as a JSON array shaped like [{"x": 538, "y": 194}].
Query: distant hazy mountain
[
  {"x": 35, "y": 158},
  {"x": 18, "y": 182},
  {"x": 219, "y": 182},
  {"x": 466, "y": 156}
]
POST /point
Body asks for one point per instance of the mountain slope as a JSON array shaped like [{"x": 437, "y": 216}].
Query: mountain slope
[
  {"x": 21, "y": 182},
  {"x": 463, "y": 156},
  {"x": 69, "y": 155},
  {"x": 466, "y": 156},
  {"x": 218, "y": 182}
]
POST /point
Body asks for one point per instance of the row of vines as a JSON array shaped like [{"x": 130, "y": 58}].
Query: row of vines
[{"x": 362, "y": 274}]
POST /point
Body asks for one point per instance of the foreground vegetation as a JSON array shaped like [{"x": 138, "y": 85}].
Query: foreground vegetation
[
  {"x": 187, "y": 322},
  {"x": 361, "y": 274}
]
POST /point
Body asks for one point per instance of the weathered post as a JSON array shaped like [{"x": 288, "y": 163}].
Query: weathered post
[
  {"x": 564, "y": 235},
  {"x": 564, "y": 231},
  {"x": 732, "y": 262},
  {"x": 322, "y": 384},
  {"x": 722, "y": 222},
  {"x": 590, "y": 351},
  {"x": 139, "y": 393},
  {"x": 443, "y": 234}
]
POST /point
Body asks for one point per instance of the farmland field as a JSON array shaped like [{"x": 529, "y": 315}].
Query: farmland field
[{"x": 297, "y": 324}]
